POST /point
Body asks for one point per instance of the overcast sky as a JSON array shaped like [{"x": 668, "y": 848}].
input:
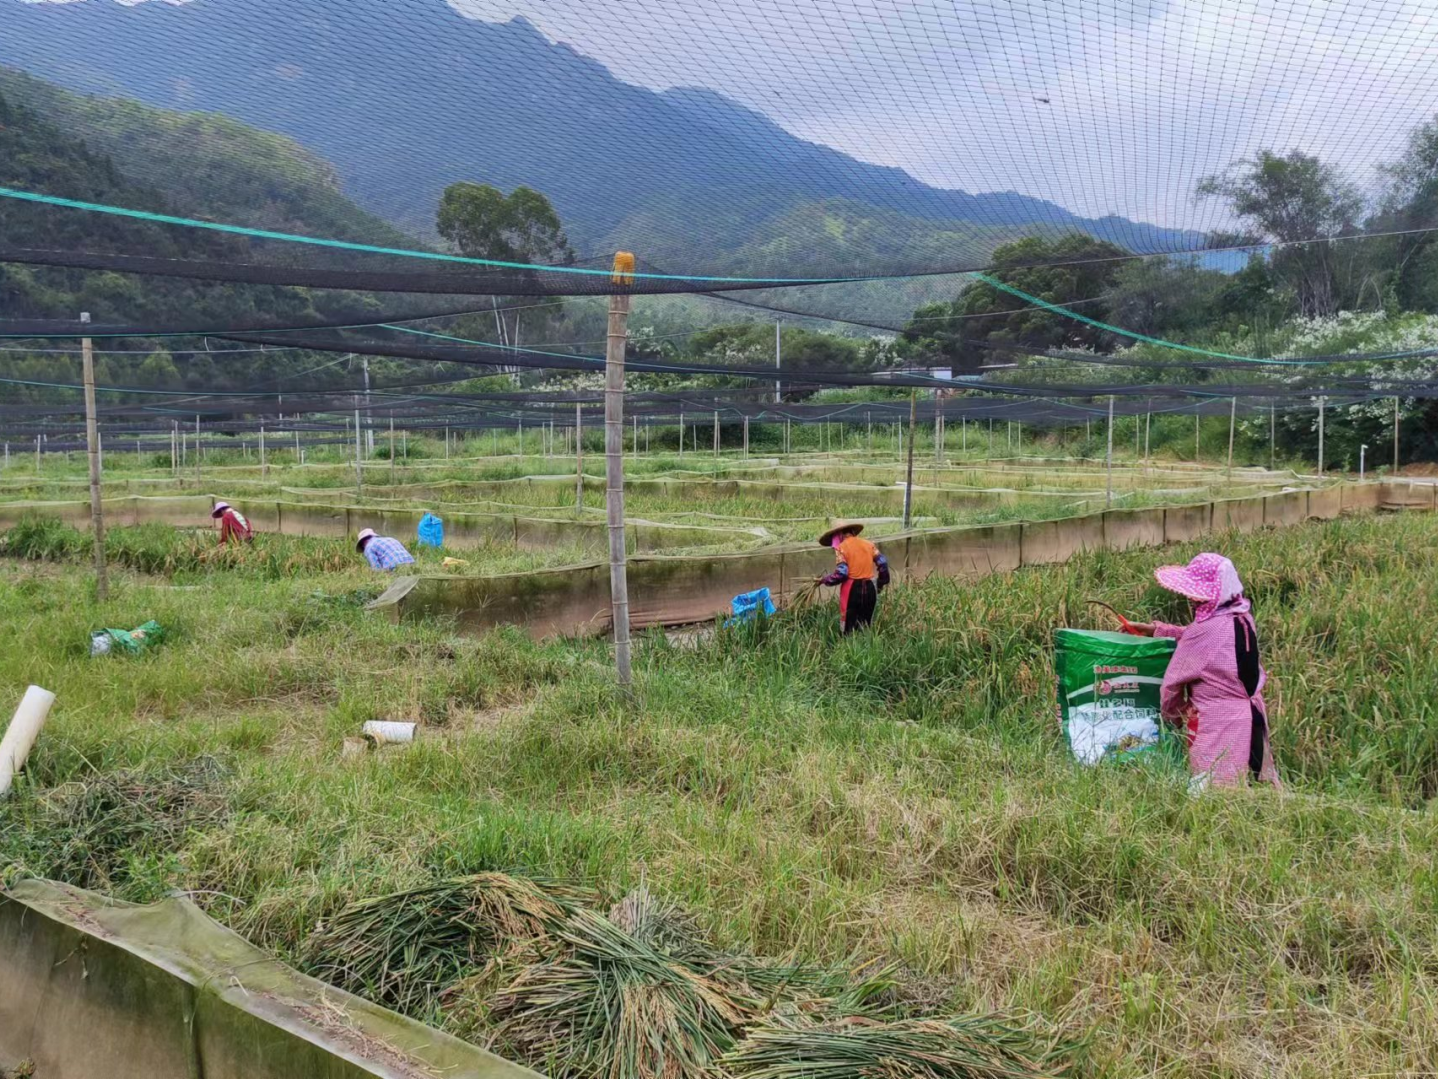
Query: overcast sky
[{"x": 1105, "y": 106}]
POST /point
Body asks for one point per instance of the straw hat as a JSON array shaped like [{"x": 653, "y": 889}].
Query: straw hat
[
  {"x": 365, "y": 536},
  {"x": 852, "y": 527},
  {"x": 219, "y": 509}
]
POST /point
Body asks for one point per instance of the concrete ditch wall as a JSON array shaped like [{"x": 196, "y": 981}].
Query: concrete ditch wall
[
  {"x": 339, "y": 521},
  {"x": 574, "y": 600},
  {"x": 93, "y": 987}
]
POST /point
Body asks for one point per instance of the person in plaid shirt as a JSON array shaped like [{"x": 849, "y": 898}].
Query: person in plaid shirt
[{"x": 382, "y": 552}]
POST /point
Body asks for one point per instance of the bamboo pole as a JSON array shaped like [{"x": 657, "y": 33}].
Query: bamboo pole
[
  {"x": 1272, "y": 435},
  {"x": 614, "y": 466},
  {"x": 1108, "y": 459},
  {"x": 197, "y": 451},
  {"x": 578, "y": 459},
  {"x": 716, "y": 434},
  {"x": 909, "y": 476},
  {"x": 264, "y": 461},
  {"x": 746, "y": 437},
  {"x": 359, "y": 468},
  {"x": 1322, "y": 401},
  {"x": 92, "y": 447},
  {"x": 391, "y": 450}
]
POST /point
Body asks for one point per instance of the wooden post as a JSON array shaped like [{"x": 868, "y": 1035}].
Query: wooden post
[
  {"x": 1395, "y": 436},
  {"x": 716, "y": 434},
  {"x": 1195, "y": 437},
  {"x": 870, "y": 416},
  {"x": 746, "y": 438},
  {"x": 909, "y": 476},
  {"x": 37, "y": 455},
  {"x": 174, "y": 448},
  {"x": 1321, "y": 402},
  {"x": 963, "y": 434},
  {"x": 1108, "y": 467},
  {"x": 264, "y": 462},
  {"x": 92, "y": 446},
  {"x": 1272, "y": 434},
  {"x": 578, "y": 459},
  {"x": 446, "y": 443},
  {"x": 634, "y": 436},
  {"x": 681, "y": 432},
  {"x": 614, "y": 465},
  {"x": 1232, "y": 415},
  {"x": 391, "y": 450},
  {"x": 938, "y": 431},
  {"x": 197, "y": 451}
]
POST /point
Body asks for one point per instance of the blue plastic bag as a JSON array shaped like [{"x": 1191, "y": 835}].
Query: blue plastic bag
[
  {"x": 431, "y": 531},
  {"x": 748, "y": 604}
]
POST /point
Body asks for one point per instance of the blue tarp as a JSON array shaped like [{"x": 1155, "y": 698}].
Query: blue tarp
[
  {"x": 747, "y": 604},
  {"x": 431, "y": 531}
]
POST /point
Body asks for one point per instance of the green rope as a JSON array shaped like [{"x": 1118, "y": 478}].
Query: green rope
[{"x": 433, "y": 256}]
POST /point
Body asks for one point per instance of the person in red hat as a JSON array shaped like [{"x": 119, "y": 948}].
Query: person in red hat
[
  {"x": 233, "y": 525},
  {"x": 860, "y": 571}
]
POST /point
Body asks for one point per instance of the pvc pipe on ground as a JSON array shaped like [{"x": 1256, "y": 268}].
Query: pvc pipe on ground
[
  {"x": 387, "y": 732},
  {"x": 23, "y": 730}
]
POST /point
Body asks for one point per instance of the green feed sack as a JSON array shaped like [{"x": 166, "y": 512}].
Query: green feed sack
[{"x": 1108, "y": 694}]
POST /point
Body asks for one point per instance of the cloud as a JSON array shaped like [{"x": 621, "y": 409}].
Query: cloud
[{"x": 1113, "y": 107}]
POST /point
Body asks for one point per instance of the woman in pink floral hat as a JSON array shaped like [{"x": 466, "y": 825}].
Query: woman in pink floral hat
[{"x": 1214, "y": 684}]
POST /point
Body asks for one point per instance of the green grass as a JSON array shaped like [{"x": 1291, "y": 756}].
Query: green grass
[{"x": 902, "y": 796}]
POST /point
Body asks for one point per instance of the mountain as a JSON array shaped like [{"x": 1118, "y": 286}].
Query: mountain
[
  {"x": 407, "y": 96},
  {"x": 207, "y": 164}
]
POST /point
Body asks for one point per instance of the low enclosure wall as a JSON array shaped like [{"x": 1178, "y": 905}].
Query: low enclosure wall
[
  {"x": 93, "y": 987},
  {"x": 574, "y": 600}
]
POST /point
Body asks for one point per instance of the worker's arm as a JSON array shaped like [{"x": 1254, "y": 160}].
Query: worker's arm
[
  {"x": 882, "y": 565},
  {"x": 840, "y": 574}
]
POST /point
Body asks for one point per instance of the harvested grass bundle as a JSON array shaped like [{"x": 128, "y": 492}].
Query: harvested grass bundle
[
  {"x": 805, "y": 594},
  {"x": 615, "y": 1006},
  {"x": 405, "y": 948},
  {"x": 107, "y": 824},
  {"x": 856, "y": 1048}
]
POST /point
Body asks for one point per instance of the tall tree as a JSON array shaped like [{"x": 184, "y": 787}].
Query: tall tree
[
  {"x": 1074, "y": 271},
  {"x": 1408, "y": 207},
  {"x": 1299, "y": 202},
  {"x": 480, "y": 221}
]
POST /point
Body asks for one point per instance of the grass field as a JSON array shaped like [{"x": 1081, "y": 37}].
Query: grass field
[{"x": 902, "y": 797}]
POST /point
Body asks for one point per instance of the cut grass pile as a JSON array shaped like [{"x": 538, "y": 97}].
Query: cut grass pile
[{"x": 902, "y": 797}]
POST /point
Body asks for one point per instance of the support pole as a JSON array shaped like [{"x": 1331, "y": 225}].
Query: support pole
[
  {"x": 614, "y": 466},
  {"x": 578, "y": 459},
  {"x": 1272, "y": 435},
  {"x": 446, "y": 443},
  {"x": 391, "y": 450},
  {"x": 746, "y": 438},
  {"x": 1322, "y": 401},
  {"x": 264, "y": 461},
  {"x": 1108, "y": 458},
  {"x": 197, "y": 451},
  {"x": 681, "y": 432},
  {"x": 716, "y": 434},
  {"x": 909, "y": 476},
  {"x": 1195, "y": 438},
  {"x": 1395, "y": 436},
  {"x": 1232, "y": 416},
  {"x": 92, "y": 447},
  {"x": 1147, "y": 428}
]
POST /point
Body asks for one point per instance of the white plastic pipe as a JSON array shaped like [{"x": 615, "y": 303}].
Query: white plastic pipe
[
  {"x": 23, "y": 730},
  {"x": 388, "y": 732}
]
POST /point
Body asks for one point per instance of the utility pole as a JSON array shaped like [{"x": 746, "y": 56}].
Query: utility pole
[
  {"x": 623, "y": 277},
  {"x": 1232, "y": 416},
  {"x": 909, "y": 478},
  {"x": 778, "y": 352},
  {"x": 1395, "y": 436},
  {"x": 1321, "y": 402},
  {"x": 1108, "y": 459},
  {"x": 579, "y": 459},
  {"x": 359, "y": 468},
  {"x": 92, "y": 447},
  {"x": 368, "y": 407}
]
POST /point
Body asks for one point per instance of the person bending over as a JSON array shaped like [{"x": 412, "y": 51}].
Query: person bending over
[{"x": 382, "y": 552}]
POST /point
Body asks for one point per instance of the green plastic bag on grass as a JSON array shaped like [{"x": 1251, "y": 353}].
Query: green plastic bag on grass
[
  {"x": 1108, "y": 695},
  {"x": 129, "y": 641}
]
